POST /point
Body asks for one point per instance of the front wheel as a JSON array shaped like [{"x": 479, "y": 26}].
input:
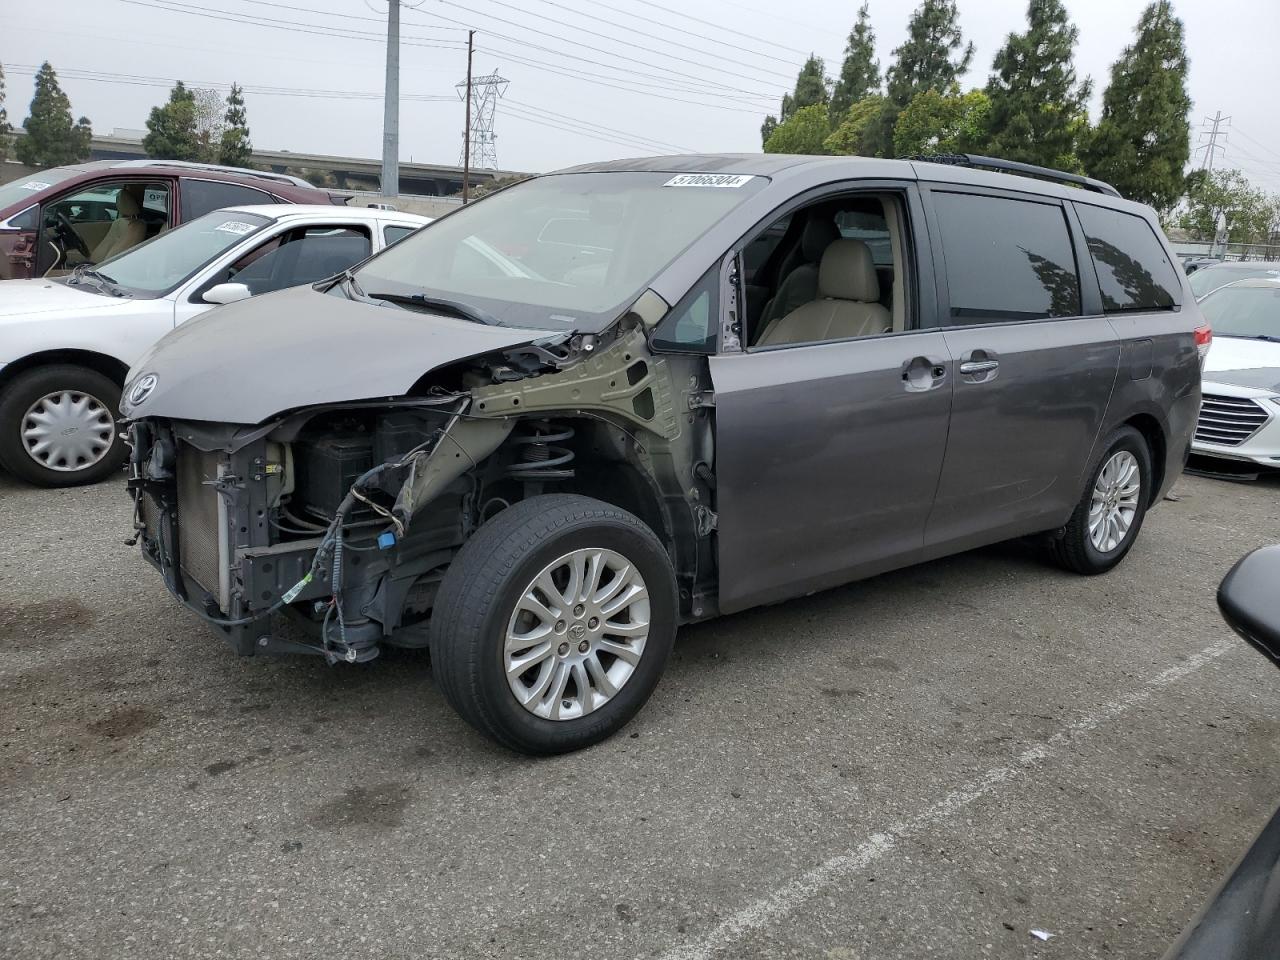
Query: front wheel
[
  {"x": 58, "y": 426},
  {"x": 1107, "y": 519},
  {"x": 553, "y": 623}
]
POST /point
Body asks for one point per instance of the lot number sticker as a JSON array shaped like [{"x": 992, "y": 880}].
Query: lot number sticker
[
  {"x": 236, "y": 227},
  {"x": 732, "y": 180},
  {"x": 34, "y": 185}
]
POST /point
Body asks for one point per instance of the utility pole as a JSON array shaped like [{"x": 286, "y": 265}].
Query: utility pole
[
  {"x": 466, "y": 132},
  {"x": 391, "y": 105},
  {"x": 1216, "y": 125}
]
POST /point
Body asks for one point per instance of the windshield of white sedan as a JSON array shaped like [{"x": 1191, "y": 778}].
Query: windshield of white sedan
[
  {"x": 1250, "y": 312},
  {"x": 157, "y": 266},
  {"x": 566, "y": 251}
]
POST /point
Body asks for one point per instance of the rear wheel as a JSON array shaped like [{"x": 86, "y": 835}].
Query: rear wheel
[
  {"x": 58, "y": 426},
  {"x": 1109, "y": 516},
  {"x": 553, "y": 623}
]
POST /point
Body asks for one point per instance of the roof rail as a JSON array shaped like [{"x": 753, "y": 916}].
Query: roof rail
[
  {"x": 219, "y": 168},
  {"x": 1013, "y": 166}
]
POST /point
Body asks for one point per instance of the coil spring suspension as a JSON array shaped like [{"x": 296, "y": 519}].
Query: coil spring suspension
[{"x": 540, "y": 451}]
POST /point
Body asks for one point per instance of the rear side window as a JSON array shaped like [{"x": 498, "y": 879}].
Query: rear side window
[
  {"x": 1006, "y": 259},
  {"x": 393, "y": 232},
  {"x": 204, "y": 196},
  {"x": 1134, "y": 272}
]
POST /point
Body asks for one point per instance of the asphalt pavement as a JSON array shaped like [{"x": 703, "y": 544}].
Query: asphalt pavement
[{"x": 933, "y": 763}]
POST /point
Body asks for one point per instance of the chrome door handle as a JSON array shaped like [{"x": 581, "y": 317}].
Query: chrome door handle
[{"x": 978, "y": 366}]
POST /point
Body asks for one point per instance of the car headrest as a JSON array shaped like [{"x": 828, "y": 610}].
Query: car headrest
[
  {"x": 129, "y": 202},
  {"x": 848, "y": 272},
  {"x": 818, "y": 234}
]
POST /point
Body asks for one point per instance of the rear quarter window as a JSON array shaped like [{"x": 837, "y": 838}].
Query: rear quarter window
[
  {"x": 204, "y": 196},
  {"x": 1134, "y": 271}
]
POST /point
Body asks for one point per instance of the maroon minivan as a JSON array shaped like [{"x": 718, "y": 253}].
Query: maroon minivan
[{"x": 86, "y": 212}]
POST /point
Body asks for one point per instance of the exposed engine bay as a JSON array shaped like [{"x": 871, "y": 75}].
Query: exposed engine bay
[{"x": 345, "y": 517}]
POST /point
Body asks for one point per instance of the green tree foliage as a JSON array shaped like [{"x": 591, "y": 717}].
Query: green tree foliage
[
  {"x": 1038, "y": 107},
  {"x": 860, "y": 72},
  {"x": 5, "y": 126},
  {"x": 1250, "y": 212},
  {"x": 52, "y": 139},
  {"x": 856, "y": 134},
  {"x": 805, "y": 131},
  {"x": 1142, "y": 141},
  {"x": 235, "y": 148},
  {"x": 934, "y": 54},
  {"x": 933, "y": 122},
  {"x": 172, "y": 130},
  {"x": 811, "y": 89}
]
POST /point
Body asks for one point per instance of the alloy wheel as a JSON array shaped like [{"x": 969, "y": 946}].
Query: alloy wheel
[
  {"x": 1114, "y": 505},
  {"x": 577, "y": 634}
]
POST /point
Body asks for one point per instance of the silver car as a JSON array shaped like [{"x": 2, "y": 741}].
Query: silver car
[{"x": 708, "y": 383}]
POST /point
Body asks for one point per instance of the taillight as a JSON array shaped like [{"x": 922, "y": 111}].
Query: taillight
[{"x": 1204, "y": 337}]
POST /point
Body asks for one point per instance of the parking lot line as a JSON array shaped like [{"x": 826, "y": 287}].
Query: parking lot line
[{"x": 788, "y": 898}]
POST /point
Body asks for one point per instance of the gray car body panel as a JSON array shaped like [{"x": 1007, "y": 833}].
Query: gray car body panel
[{"x": 344, "y": 350}]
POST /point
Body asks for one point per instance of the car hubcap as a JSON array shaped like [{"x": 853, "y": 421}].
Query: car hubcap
[
  {"x": 1115, "y": 501},
  {"x": 577, "y": 634},
  {"x": 67, "y": 431}
]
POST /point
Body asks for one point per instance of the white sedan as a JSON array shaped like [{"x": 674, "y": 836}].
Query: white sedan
[
  {"x": 1240, "y": 410},
  {"x": 66, "y": 343}
]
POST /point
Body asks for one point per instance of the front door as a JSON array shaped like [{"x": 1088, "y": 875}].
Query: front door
[
  {"x": 831, "y": 422},
  {"x": 1035, "y": 367}
]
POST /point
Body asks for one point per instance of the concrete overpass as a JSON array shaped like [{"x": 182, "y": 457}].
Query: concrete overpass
[{"x": 343, "y": 173}]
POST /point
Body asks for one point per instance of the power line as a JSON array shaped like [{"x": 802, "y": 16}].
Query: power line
[
  {"x": 661, "y": 39},
  {"x": 731, "y": 44},
  {"x": 620, "y": 83},
  {"x": 721, "y": 26},
  {"x": 21, "y": 69},
  {"x": 600, "y": 128},
  {"x": 619, "y": 56}
]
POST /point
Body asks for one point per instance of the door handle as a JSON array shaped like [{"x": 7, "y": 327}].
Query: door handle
[{"x": 979, "y": 366}]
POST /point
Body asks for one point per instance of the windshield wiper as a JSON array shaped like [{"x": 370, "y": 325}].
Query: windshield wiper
[
  {"x": 454, "y": 307},
  {"x": 348, "y": 281},
  {"x": 83, "y": 271}
]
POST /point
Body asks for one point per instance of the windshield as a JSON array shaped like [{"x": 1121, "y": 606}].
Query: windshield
[
  {"x": 567, "y": 251},
  {"x": 157, "y": 266},
  {"x": 1207, "y": 279},
  {"x": 25, "y": 188},
  {"x": 1244, "y": 311}
]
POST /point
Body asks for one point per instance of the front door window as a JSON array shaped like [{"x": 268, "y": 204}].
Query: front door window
[{"x": 98, "y": 222}]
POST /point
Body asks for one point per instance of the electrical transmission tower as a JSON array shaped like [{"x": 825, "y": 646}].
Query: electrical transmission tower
[
  {"x": 1215, "y": 129},
  {"x": 479, "y": 140}
]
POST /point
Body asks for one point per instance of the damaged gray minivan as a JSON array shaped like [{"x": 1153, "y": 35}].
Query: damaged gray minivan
[{"x": 543, "y": 432}]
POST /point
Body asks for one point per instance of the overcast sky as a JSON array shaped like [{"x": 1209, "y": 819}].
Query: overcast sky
[{"x": 586, "y": 76}]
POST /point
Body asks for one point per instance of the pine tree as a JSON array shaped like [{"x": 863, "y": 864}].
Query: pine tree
[
  {"x": 172, "y": 133},
  {"x": 1142, "y": 141},
  {"x": 811, "y": 88},
  {"x": 5, "y": 127},
  {"x": 860, "y": 72},
  {"x": 934, "y": 55},
  {"x": 1038, "y": 110},
  {"x": 235, "y": 148},
  {"x": 52, "y": 139}
]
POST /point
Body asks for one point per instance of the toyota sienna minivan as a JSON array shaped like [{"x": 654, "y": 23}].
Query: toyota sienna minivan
[{"x": 547, "y": 430}]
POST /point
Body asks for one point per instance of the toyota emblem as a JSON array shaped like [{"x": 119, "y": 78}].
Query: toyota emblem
[{"x": 142, "y": 388}]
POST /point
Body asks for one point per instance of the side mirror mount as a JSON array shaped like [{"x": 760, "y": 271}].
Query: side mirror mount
[
  {"x": 1249, "y": 598},
  {"x": 226, "y": 293}
]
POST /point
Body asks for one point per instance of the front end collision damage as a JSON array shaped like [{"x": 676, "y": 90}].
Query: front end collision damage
[{"x": 344, "y": 516}]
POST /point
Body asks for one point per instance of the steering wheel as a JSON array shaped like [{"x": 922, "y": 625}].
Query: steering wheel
[{"x": 67, "y": 234}]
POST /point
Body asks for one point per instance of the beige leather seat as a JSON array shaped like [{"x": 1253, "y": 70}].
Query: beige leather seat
[
  {"x": 127, "y": 230},
  {"x": 847, "y": 305}
]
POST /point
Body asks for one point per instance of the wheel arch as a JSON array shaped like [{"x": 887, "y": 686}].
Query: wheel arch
[
  {"x": 110, "y": 367},
  {"x": 1153, "y": 433}
]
